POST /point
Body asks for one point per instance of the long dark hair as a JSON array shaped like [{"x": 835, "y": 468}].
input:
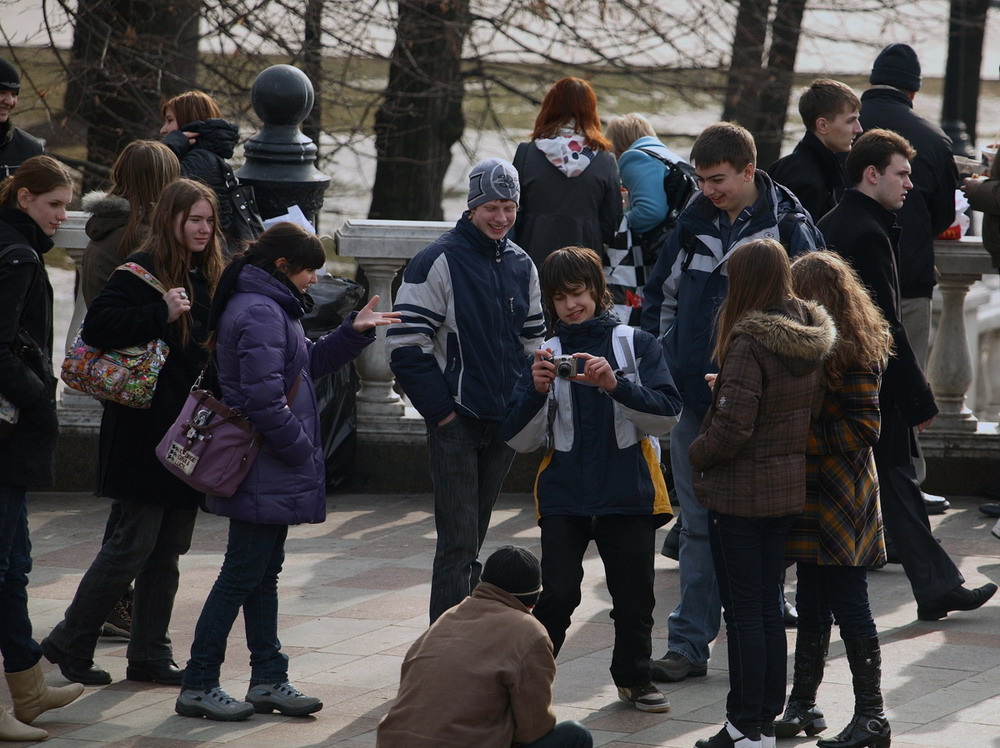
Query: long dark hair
[
  {"x": 760, "y": 277},
  {"x": 140, "y": 174},
  {"x": 300, "y": 249},
  {"x": 171, "y": 258}
]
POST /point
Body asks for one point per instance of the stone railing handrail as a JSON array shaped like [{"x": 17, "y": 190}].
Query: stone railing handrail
[{"x": 382, "y": 248}]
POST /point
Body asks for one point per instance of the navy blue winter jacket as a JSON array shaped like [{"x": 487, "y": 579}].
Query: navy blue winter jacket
[
  {"x": 471, "y": 313},
  {"x": 690, "y": 279}
]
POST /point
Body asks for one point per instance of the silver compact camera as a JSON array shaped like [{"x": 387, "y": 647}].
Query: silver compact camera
[{"x": 567, "y": 367}]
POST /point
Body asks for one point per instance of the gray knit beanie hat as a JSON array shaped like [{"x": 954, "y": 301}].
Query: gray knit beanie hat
[
  {"x": 493, "y": 179},
  {"x": 897, "y": 65},
  {"x": 9, "y": 78}
]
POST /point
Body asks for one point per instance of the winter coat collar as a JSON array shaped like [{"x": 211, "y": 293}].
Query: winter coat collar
[
  {"x": 6, "y": 132},
  {"x": 487, "y": 591},
  {"x": 17, "y": 227},
  {"x": 858, "y": 199},
  {"x": 215, "y": 135},
  {"x": 584, "y": 335},
  {"x": 108, "y": 213},
  {"x": 887, "y": 92},
  {"x": 772, "y": 198},
  {"x": 253, "y": 279},
  {"x": 800, "y": 333},
  {"x": 477, "y": 239}
]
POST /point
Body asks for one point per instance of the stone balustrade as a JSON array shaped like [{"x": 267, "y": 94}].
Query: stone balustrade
[{"x": 968, "y": 322}]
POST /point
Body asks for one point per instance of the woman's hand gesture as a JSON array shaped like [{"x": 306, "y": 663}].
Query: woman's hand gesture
[
  {"x": 177, "y": 303},
  {"x": 368, "y": 318}
]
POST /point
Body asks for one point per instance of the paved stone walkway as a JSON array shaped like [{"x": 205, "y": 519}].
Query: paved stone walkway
[{"x": 354, "y": 595}]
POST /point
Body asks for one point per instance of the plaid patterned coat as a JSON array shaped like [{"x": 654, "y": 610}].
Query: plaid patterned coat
[{"x": 841, "y": 523}]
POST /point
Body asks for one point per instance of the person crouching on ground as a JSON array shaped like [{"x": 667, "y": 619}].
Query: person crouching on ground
[
  {"x": 482, "y": 674},
  {"x": 612, "y": 395}
]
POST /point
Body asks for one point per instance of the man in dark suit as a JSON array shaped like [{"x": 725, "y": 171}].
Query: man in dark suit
[{"x": 862, "y": 228}]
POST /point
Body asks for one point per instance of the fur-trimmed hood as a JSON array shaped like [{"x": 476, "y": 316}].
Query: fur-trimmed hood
[
  {"x": 107, "y": 213},
  {"x": 800, "y": 333}
]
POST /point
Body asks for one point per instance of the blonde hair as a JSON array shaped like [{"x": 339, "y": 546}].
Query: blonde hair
[
  {"x": 864, "y": 339},
  {"x": 623, "y": 131}
]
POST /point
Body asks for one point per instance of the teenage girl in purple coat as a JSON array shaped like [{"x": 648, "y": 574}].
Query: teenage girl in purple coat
[{"x": 266, "y": 367}]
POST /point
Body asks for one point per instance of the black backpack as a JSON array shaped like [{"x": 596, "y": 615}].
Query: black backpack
[{"x": 679, "y": 183}]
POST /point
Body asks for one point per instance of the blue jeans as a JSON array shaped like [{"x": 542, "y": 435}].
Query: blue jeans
[
  {"x": 627, "y": 547},
  {"x": 565, "y": 735},
  {"x": 20, "y": 651},
  {"x": 695, "y": 622},
  {"x": 827, "y": 593},
  {"x": 749, "y": 555},
  {"x": 249, "y": 580},
  {"x": 468, "y": 463},
  {"x": 147, "y": 542}
]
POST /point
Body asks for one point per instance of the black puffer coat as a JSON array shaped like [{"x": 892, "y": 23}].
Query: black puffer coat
[
  {"x": 16, "y": 147},
  {"x": 129, "y": 312},
  {"x": 26, "y": 454},
  {"x": 205, "y": 160}
]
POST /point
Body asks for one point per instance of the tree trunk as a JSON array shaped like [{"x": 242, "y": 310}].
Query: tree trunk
[
  {"x": 743, "y": 86},
  {"x": 127, "y": 56},
  {"x": 312, "y": 66},
  {"x": 769, "y": 128},
  {"x": 421, "y": 115}
]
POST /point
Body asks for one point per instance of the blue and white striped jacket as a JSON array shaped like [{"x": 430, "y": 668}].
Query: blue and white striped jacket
[
  {"x": 471, "y": 313},
  {"x": 690, "y": 279}
]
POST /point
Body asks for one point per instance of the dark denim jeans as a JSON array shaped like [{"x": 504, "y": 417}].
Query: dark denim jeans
[
  {"x": 20, "y": 651},
  {"x": 827, "y": 593},
  {"x": 565, "y": 735},
  {"x": 468, "y": 463},
  {"x": 627, "y": 546},
  {"x": 749, "y": 556},
  {"x": 145, "y": 546},
  {"x": 249, "y": 580}
]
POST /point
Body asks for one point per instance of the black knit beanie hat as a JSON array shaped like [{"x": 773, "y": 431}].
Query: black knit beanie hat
[
  {"x": 10, "y": 80},
  {"x": 515, "y": 570},
  {"x": 897, "y": 65}
]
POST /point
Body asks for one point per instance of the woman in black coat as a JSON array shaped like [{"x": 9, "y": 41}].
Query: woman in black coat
[
  {"x": 32, "y": 205},
  {"x": 570, "y": 189},
  {"x": 203, "y": 142},
  {"x": 158, "y": 510}
]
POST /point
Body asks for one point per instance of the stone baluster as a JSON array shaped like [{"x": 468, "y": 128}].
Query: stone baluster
[
  {"x": 960, "y": 263},
  {"x": 77, "y": 412},
  {"x": 381, "y": 248}
]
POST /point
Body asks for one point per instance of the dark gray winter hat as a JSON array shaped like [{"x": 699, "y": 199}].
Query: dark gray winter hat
[
  {"x": 514, "y": 569},
  {"x": 897, "y": 65},
  {"x": 9, "y": 78},
  {"x": 493, "y": 179}
]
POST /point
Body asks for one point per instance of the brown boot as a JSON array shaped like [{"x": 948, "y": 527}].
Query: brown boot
[
  {"x": 32, "y": 697},
  {"x": 13, "y": 731}
]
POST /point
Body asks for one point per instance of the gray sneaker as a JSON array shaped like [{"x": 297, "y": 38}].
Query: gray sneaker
[
  {"x": 212, "y": 704},
  {"x": 283, "y": 698},
  {"x": 647, "y": 698},
  {"x": 676, "y": 667}
]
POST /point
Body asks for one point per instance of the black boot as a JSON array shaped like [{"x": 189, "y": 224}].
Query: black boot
[
  {"x": 801, "y": 713},
  {"x": 868, "y": 727}
]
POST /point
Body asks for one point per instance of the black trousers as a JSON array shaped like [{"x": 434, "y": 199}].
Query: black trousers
[
  {"x": 626, "y": 544},
  {"x": 928, "y": 566}
]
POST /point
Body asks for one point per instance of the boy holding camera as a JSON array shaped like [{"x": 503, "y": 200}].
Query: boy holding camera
[{"x": 600, "y": 479}]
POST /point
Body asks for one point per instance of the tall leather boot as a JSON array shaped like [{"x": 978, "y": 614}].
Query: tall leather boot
[
  {"x": 868, "y": 727},
  {"x": 801, "y": 713},
  {"x": 15, "y": 732},
  {"x": 32, "y": 697}
]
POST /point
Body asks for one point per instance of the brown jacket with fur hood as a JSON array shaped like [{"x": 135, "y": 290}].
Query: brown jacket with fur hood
[
  {"x": 105, "y": 229},
  {"x": 749, "y": 459}
]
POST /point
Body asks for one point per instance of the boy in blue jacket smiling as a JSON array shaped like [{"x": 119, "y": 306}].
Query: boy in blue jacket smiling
[{"x": 600, "y": 479}]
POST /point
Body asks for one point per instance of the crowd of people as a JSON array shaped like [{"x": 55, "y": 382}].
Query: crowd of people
[{"x": 783, "y": 334}]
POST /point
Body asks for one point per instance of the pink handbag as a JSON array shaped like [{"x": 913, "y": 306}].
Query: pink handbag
[{"x": 211, "y": 446}]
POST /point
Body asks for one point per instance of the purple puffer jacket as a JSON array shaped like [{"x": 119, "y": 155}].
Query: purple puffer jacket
[{"x": 261, "y": 350}]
